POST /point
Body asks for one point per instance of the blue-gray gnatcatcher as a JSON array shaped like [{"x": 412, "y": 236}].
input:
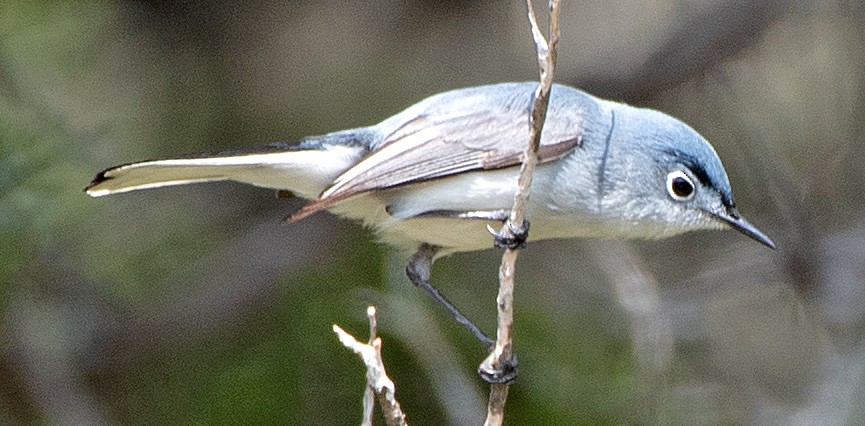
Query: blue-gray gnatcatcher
[{"x": 433, "y": 176}]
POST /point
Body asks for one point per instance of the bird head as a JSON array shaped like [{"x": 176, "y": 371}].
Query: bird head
[{"x": 667, "y": 178}]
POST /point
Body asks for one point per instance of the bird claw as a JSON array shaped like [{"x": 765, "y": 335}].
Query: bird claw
[
  {"x": 505, "y": 373},
  {"x": 513, "y": 238}
]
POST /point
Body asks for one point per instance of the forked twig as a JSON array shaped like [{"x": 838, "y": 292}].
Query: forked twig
[{"x": 378, "y": 384}]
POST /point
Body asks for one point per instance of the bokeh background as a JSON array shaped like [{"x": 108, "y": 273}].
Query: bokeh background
[{"x": 194, "y": 305}]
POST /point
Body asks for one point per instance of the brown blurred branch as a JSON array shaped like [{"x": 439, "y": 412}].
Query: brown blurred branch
[
  {"x": 704, "y": 38},
  {"x": 502, "y": 353},
  {"x": 378, "y": 384}
]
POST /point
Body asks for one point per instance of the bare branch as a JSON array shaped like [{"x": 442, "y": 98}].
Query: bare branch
[
  {"x": 503, "y": 350},
  {"x": 377, "y": 381}
]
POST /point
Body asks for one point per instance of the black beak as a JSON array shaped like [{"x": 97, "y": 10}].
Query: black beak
[{"x": 732, "y": 218}]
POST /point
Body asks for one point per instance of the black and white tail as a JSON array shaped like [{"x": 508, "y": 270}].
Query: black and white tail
[{"x": 305, "y": 170}]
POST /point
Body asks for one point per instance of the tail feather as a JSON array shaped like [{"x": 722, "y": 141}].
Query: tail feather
[{"x": 305, "y": 172}]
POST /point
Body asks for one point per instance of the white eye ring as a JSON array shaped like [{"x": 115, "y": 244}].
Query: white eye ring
[{"x": 680, "y": 186}]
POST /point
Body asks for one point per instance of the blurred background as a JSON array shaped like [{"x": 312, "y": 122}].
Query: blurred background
[{"x": 194, "y": 305}]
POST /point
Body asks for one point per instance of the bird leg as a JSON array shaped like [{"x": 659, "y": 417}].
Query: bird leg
[{"x": 418, "y": 271}]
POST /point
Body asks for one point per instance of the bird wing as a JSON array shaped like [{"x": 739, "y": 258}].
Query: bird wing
[{"x": 440, "y": 143}]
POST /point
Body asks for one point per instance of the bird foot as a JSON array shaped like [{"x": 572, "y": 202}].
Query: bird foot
[
  {"x": 504, "y": 373},
  {"x": 513, "y": 238}
]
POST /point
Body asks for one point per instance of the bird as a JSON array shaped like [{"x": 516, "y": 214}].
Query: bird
[{"x": 432, "y": 178}]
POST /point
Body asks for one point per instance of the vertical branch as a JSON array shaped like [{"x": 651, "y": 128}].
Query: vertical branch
[{"x": 517, "y": 227}]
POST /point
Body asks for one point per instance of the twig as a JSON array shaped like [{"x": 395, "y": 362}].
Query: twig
[
  {"x": 503, "y": 351},
  {"x": 378, "y": 384}
]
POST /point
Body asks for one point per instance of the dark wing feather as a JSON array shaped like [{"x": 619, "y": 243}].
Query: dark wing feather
[{"x": 435, "y": 145}]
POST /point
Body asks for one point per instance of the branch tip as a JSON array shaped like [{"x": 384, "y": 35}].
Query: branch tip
[{"x": 378, "y": 385}]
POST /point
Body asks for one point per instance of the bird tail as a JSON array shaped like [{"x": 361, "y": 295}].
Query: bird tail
[{"x": 306, "y": 169}]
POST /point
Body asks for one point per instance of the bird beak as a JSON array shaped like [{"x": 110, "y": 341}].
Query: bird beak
[{"x": 732, "y": 218}]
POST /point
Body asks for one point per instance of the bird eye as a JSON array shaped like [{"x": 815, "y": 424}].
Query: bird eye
[{"x": 680, "y": 186}]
